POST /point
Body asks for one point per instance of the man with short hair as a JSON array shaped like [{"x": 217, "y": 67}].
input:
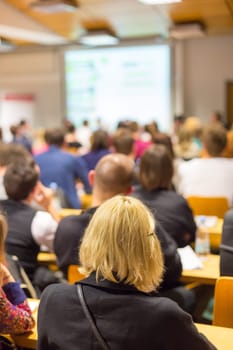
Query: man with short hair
[
  {"x": 62, "y": 168},
  {"x": 10, "y": 153},
  {"x": 113, "y": 175},
  {"x": 28, "y": 228},
  {"x": 210, "y": 176}
]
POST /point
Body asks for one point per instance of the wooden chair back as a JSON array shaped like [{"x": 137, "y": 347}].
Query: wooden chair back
[
  {"x": 86, "y": 200},
  {"x": 74, "y": 275},
  {"x": 223, "y": 302},
  {"x": 217, "y": 206}
]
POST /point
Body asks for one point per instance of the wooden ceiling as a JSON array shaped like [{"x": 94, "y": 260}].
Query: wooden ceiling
[{"x": 128, "y": 18}]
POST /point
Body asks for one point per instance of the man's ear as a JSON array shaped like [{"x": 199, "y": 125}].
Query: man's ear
[{"x": 91, "y": 176}]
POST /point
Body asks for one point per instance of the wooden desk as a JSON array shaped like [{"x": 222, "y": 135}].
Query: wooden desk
[
  {"x": 29, "y": 340},
  {"x": 207, "y": 275},
  {"x": 221, "y": 337}
]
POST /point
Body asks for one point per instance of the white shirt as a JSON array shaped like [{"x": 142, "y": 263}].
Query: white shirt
[
  {"x": 208, "y": 177},
  {"x": 43, "y": 229}
]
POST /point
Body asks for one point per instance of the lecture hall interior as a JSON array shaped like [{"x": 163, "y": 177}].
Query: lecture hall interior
[{"x": 112, "y": 61}]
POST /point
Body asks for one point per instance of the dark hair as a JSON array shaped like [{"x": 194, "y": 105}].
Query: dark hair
[
  {"x": 156, "y": 168},
  {"x": 14, "y": 129},
  {"x": 55, "y": 136},
  {"x": 123, "y": 141},
  {"x": 164, "y": 139},
  {"x": 20, "y": 179},
  {"x": 99, "y": 140},
  {"x": 215, "y": 139},
  {"x": 11, "y": 152}
]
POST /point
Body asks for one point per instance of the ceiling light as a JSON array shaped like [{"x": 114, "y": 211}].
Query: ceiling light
[
  {"x": 187, "y": 30},
  {"x": 98, "y": 38},
  {"x": 54, "y": 6},
  {"x": 159, "y": 2},
  {"x": 31, "y": 35},
  {"x": 5, "y": 45}
]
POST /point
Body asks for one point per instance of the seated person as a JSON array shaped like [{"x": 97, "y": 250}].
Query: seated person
[
  {"x": 170, "y": 208},
  {"x": 226, "y": 247},
  {"x": 10, "y": 153},
  {"x": 28, "y": 228},
  {"x": 62, "y": 168},
  {"x": 15, "y": 314},
  {"x": 113, "y": 175},
  {"x": 121, "y": 257},
  {"x": 99, "y": 148},
  {"x": 210, "y": 176}
]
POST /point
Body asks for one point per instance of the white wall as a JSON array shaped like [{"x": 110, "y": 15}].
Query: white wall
[
  {"x": 38, "y": 73},
  {"x": 200, "y": 84},
  {"x": 208, "y": 64}
]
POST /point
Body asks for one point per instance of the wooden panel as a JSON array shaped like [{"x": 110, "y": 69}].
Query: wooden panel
[
  {"x": 229, "y": 102},
  {"x": 130, "y": 18}
]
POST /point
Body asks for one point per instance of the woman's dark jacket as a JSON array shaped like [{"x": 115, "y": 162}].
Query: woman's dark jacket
[{"x": 126, "y": 318}]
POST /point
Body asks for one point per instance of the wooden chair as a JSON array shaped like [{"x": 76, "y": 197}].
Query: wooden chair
[
  {"x": 208, "y": 205},
  {"x": 86, "y": 200},
  {"x": 68, "y": 211},
  {"x": 74, "y": 275},
  {"x": 223, "y": 302}
]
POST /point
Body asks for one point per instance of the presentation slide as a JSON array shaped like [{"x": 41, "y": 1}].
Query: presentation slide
[{"x": 113, "y": 84}]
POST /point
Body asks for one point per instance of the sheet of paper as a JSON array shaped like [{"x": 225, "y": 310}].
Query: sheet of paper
[
  {"x": 210, "y": 221},
  {"x": 33, "y": 304},
  {"x": 189, "y": 259}
]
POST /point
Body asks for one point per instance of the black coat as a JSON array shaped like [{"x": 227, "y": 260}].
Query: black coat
[
  {"x": 172, "y": 211},
  {"x": 126, "y": 318},
  {"x": 226, "y": 247}
]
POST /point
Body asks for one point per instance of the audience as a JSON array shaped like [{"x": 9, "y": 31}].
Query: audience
[
  {"x": 210, "y": 176},
  {"x": 83, "y": 135},
  {"x": 21, "y": 134},
  {"x": 155, "y": 191},
  {"x": 10, "y": 153},
  {"x": 15, "y": 314},
  {"x": 99, "y": 148},
  {"x": 123, "y": 142},
  {"x": 186, "y": 148},
  {"x": 62, "y": 168},
  {"x": 113, "y": 175},
  {"x": 122, "y": 259},
  {"x": 28, "y": 228}
]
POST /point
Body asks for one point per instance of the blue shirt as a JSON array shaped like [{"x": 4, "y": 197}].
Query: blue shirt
[{"x": 63, "y": 169}]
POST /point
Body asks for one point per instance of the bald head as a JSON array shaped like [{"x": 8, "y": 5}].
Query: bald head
[{"x": 113, "y": 175}]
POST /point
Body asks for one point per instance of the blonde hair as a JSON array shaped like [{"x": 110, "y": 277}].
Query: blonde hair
[{"x": 120, "y": 245}]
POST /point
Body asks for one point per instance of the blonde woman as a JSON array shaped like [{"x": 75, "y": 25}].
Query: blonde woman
[
  {"x": 15, "y": 314},
  {"x": 122, "y": 259}
]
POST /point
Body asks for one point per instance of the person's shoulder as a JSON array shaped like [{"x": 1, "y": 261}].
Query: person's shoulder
[
  {"x": 228, "y": 218},
  {"x": 73, "y": 225},
  {"x": 164, "y": 307},
  {"x": 176, "y": 198},
  {"x": 76, "y": 219},
  {"x": 57, "y": 291}
]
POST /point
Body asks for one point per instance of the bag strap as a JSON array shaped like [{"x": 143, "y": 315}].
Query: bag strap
[{"x": 91, "y": 319}]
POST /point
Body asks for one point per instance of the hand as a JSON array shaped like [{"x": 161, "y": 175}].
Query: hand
[
  {"x": 5, "y": 276},
  {"x": 43, "y": 196}
]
